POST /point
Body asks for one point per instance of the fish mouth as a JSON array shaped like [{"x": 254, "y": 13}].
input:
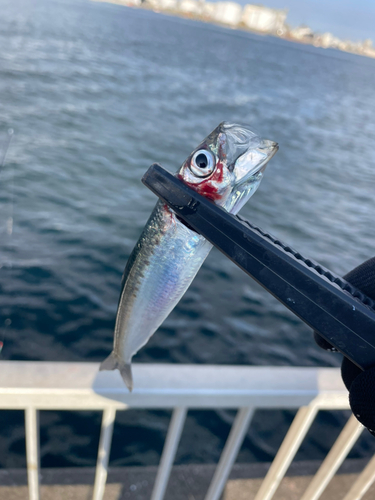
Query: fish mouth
[
  {"x": 248, "y": 173},
  {"x": 254, "y": 161},
  {"x": 269, "y": 149}
]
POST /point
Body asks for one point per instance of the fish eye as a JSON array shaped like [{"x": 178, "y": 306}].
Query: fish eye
[{"x": 202, "y": 163}]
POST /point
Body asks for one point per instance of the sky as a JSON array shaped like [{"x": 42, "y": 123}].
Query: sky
[{"x": 347, "y": 19}]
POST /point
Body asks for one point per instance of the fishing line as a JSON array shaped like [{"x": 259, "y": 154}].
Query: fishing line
[{"x": 9, "y": 220}]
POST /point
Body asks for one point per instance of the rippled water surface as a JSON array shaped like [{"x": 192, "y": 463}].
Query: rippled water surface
[{"x": 96, "y": 93}]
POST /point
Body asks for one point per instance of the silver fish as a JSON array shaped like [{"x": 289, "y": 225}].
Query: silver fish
[{"x": 226, "y": 168}]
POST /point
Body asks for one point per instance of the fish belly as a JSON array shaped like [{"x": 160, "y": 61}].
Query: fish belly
[{"x": 160, "y": 269}]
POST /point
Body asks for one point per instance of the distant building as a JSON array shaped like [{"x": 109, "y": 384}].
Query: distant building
[
  {"x": 154, "y": 4},
  {"x": 130, "y": 3},
  {"x": 326, "y": 40},
  {"x": 368, "y": 48},
  {"x": 259, "y": 18},
  {"x": 302, "y": 33},
  {"x": 208, "y": 10},
  {"x": 254, "y": 17},
  {"x": 193, "y": 7},
  {"x": 367, "y": 44},
  {"x": 167, "y": 4},
  {"x": 228, "y": 13}
]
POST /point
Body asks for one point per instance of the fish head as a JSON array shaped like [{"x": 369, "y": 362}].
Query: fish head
[{"x": 228, "y": 165}]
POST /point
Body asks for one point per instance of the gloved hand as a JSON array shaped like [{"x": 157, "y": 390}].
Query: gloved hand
[{"x": 360, "y": 384}]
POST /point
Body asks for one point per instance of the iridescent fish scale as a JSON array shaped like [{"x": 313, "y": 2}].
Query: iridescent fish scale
[{"x": 168, "y": 254}]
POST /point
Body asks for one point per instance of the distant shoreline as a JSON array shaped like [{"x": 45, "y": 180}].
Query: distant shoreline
[{"x": 315, "y": 41}]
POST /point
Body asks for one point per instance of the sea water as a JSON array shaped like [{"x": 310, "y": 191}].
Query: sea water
[{"x": 98, "y": 92}]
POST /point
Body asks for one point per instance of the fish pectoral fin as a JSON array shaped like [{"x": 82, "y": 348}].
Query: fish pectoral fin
[{"x": 112, "y": 362}]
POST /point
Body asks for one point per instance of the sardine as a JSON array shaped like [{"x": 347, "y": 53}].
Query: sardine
[{"x": 226, "y": 168}]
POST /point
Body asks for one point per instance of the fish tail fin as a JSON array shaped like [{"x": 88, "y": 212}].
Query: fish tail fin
[
  {"x": 126, "y": 374},
  {"x": 112, "y": 362}
]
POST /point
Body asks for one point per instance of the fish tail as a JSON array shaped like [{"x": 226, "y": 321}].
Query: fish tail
[
  {"x": 112, "y": 362},
  {"x": 126, "y": 374}
]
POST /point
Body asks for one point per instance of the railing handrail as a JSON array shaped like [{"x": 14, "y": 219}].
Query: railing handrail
[
  {"x": 34, "y": 386},
  {"x": 42, "y": 384}
]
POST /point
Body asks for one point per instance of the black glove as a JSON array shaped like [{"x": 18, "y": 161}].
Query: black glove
[{"x": 360, "y": 384}]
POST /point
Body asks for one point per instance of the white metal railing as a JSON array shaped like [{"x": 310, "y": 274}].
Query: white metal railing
[{"x": 34, "y": 386}]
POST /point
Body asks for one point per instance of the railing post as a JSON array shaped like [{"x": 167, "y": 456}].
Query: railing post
[
  {"x": 169, "y": 452},
  {"x": 289, "y": 447},
  {"x": 230, "y": 452},
  {"x": 108, "y": 419},
  {"x": 363, "y": 483},
  {"x": 334, "y": 459},
  {"x": 32, "y": 451}
]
